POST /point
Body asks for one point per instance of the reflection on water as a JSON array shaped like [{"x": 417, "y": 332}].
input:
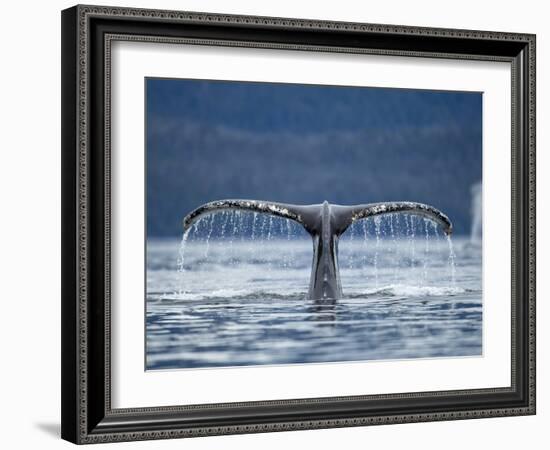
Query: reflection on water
[{"x": 244, "y": 303}]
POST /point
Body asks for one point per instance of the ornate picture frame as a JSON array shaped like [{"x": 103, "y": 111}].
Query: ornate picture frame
[{"x": 88, "y": 415}]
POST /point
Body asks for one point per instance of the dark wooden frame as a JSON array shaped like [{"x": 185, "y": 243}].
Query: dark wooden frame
[{"x": 87, "y": 32}]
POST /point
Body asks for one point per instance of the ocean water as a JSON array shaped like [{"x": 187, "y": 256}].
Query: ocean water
[{"x": 237, "y": 296}]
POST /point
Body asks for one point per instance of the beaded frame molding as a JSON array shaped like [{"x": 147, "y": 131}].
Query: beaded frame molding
[{"x": 87, "y": 35}]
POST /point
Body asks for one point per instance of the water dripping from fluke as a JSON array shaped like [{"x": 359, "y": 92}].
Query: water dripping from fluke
[
  {"x": 324, "y": 222},
  {"x": 181, "y": 258},
  {"x": 426, "y": 253},
  {"x": 452, "y": 262},
  {"x": 377, "y": 231}
]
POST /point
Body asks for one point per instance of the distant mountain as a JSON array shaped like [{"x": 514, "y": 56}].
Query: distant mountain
[{"x": 305, "y": 144}]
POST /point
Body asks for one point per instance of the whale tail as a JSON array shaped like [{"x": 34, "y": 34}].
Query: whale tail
[{"x": 325, "y": 223}]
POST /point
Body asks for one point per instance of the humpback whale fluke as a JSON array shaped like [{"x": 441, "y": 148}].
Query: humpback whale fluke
[{"x": 325, "y": 223}]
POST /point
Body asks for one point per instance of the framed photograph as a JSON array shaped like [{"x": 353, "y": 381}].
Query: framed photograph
[{"x": 277, "y": 224}]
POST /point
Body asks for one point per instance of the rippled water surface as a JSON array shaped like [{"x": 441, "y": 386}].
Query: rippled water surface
[{"x": 237, "y": 300}]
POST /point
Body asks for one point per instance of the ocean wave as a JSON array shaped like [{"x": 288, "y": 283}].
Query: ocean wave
[
  {"x": 404, "y": 290},
  {"x": 397, "y": 290},
  {"x": 230, "y": 294}
]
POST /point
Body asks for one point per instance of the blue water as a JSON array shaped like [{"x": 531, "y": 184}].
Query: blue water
[{"x": 239, "y": 301}]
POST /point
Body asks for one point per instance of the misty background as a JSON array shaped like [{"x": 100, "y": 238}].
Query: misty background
[{"x": 211, "y": 140}]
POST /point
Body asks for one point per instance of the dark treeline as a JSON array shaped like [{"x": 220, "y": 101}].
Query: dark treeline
[{"x": 213, "y": 140}]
